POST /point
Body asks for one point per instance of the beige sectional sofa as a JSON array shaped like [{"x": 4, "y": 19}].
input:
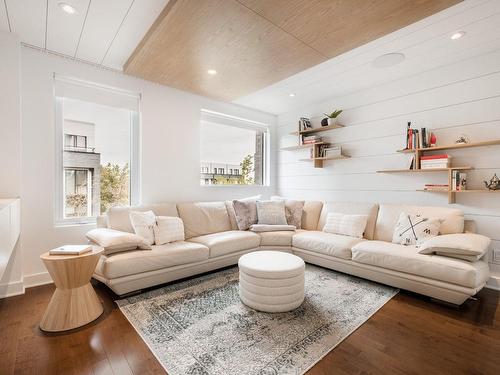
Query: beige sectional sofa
[{"x": 213, "y": 241}]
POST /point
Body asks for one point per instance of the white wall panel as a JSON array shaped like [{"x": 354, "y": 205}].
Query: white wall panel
[
  {"x": 27, "y": 19},
  {"x": 63, "y": 29},
  {"x": 137, "y": 22},
  {"x": 462, "y": 98},
  {"x": 103, "y": 22},
  {"x": 4, "y": 22}
]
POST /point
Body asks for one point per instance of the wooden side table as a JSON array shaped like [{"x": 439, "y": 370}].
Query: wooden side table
[{"x": 74, "y": 302}]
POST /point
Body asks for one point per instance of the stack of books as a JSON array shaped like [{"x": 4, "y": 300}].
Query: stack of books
[
  {"x": 436, "y": 187},
  {"x": 435, "y": 161},
  {"x": 311, "y": 139},
  {"x": 417, "y": 138},
  {"x": 304, "y": 124},
  {"x": 458, "y": 181}
]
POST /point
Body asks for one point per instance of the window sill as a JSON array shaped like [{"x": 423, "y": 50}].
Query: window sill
[{"x": 234, "y": 186}]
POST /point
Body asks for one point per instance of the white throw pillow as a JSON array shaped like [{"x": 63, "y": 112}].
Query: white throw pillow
[
  {"x": 271, "y": 212},
  {"x": 168, "y": 229},
  {"x": 114, "y": 241},
  {"x": 293, "y": 210},
  {"x": 143, "y": 224},
  {"x": 347, "y": 225},
  {"x": 414, "y": 229},
  {"x": 466, "y": 246}
]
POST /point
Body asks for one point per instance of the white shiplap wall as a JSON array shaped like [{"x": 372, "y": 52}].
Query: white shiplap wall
[{"x": 462, "y": 98}]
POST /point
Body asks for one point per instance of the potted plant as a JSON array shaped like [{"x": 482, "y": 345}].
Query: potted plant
[{"x": 331, "y": 119}]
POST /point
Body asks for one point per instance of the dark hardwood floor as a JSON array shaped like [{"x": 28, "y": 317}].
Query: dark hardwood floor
[{"x": 409, "y": 335}]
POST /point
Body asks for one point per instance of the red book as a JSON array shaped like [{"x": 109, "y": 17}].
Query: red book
[
  {"x": 411, "y": 139},
  {"x": 431, "y": 157}
]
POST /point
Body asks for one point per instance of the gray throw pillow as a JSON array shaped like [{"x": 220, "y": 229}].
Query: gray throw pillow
[
  {"x": 293, "y": 211},
  {"x": 246, "y": 213},
  {"x": 271, "y": 212}
]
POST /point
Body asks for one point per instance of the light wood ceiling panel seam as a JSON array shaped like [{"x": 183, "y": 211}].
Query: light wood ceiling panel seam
[
  {"x": 282, "y": 29},
  {"x": 117, "y": 31},
  {"x": 7, "y": 13},
  {"x": 83, "y": 28}
]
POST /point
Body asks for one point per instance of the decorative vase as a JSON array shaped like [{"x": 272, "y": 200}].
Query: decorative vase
[
  {"x": 324, "y": 122},
  {"x": 331, "y": 121}
]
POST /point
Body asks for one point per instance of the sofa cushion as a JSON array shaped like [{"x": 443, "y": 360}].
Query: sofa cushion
[
  {"x": 162, "y": 256},
  {"x": 228, "y": 242},
  {"x": 271, "y": 213},
  {"x": 118, "y": 217},
  {"x": 202, "y": 218},
  {"x": 388, "y": 215},
  {"x": 351, "y": 208},
  {"x": 293, "y": 210},
  {"x": 114, "y": 241},
  {"x": 232, "y": 214},
  {"x": 325, "y": 243},
  {"x": 276, "y": 238},
  {"x": 310, "y": 214},
  {"x": 407, "y": 259}
]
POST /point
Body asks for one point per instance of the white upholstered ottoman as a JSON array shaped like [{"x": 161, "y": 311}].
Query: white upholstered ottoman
[{"x": 271, "y": 281}]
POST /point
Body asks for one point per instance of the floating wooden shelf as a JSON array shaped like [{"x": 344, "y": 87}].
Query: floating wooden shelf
[
  {"x": 420, "y": 151},
  {"x": 424, "y": 170},
  {"x": 318, "y": 161},
  {"x": 298, "y": 147},
  {"x": 454, "y": 146},
  {"x": 460, "y": 191},
  {"x": 317, "y": 130}
]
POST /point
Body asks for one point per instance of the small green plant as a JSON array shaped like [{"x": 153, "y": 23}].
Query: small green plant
[{"x": 334, "y": 114}]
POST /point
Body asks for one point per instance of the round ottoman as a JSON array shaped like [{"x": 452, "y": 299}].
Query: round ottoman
[{"x": 271, "y": 281}]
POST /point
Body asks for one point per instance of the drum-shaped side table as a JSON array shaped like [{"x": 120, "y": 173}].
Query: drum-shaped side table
[{"x": 74, "y": 302}]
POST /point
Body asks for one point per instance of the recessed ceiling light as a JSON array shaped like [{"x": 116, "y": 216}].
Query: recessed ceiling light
[
  {"x": 388, "y": 60},
  {"x": 457, "y": 35},
  {"x": 291, "y": 95},
  {"x": 67, "y": 8},
  {"x": 212, "y": 72}
]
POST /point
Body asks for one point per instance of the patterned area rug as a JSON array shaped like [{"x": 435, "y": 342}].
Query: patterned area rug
[{"x": 200, "y": 326}]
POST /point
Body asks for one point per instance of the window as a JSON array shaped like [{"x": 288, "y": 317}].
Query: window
[
  {"x": 77, "y": 192},
  {"x": 97, "y": 150},
  {"x": 235, "y": 149}
]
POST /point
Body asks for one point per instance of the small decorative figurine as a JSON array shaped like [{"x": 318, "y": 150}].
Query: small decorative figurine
[
  {"x": 462, "y": 139},
  {"x": 494, "y": 183},
  {"x": 433, "y": 139}
]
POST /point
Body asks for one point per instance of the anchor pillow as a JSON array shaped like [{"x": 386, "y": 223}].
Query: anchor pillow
[{"x": 414, "y": 229}]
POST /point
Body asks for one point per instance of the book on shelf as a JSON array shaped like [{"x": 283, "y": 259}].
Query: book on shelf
[
  {"x": 458, "y": 181},
  {"x": 71, "y": 250},
  {"x": 332, "y": 151},
  {"x": 416, "y": 138},
  {"x": 437, "y": 187},
  {"x": 435, "y": 157},
  {"x": 304, "y": 124}
]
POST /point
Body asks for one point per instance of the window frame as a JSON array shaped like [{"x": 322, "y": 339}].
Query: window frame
[
  {"x": 134, "y": 166},
  {"x": 209, "y": 116}
]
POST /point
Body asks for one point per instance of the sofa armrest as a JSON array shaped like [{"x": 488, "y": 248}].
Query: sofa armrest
[
  {"x": 469, "y": 226},
  {"x": 102, "y": 221}
]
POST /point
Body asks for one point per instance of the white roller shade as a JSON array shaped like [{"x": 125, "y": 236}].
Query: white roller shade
[{"x": 66, "y": 87}]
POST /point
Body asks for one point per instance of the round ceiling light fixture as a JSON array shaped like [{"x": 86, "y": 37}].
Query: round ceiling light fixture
[
  {"x": 457, "y": 35},
  {"x": 212, "y": 72},
  {"x": 388, "y": 60},
  {"x": 291, "y": 95},
  {"x": 67, "y": 8}
]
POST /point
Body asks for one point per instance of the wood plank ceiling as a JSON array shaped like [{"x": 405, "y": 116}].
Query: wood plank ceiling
[{"x": 255, "y": 43}]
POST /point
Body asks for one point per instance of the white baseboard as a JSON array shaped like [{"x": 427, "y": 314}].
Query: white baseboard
[
  {"x": 493, "y": 282},
  {"x": 11, "y": 289},
  {"x": 37, "y": 279}
]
